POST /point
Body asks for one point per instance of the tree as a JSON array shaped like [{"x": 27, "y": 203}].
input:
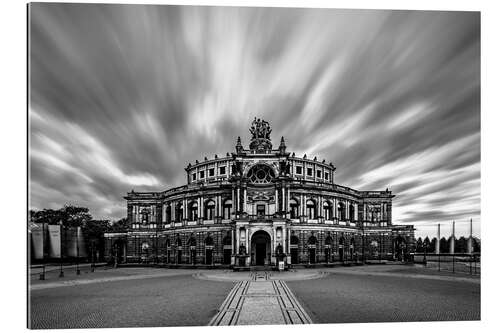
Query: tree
[
  {"x": 420, "y": 245},
  {"x": 432, "y": 247},
  {"x": 444, "y": 245},
  {"x": 476, "y": 245},
  {"x": 119, "y": 226},
  {"x": 461, "y": 245},
  {"x": 71, "y": 216},
  {"x": 93, "y": 232}
]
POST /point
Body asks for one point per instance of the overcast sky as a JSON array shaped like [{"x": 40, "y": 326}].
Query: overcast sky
[{"x": 125, "y": 96}]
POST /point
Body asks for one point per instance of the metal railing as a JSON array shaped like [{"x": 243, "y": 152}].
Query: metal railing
[{"x": 455, "y": 263}]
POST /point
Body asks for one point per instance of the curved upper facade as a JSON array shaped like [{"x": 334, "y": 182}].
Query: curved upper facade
[{"x": 260, "y": 181}]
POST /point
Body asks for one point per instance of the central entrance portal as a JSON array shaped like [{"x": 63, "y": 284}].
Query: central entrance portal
[{"x": 261, "y": 248}]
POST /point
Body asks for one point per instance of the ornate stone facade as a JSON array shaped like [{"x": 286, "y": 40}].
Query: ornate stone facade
[{"x": 257, "y": 205}]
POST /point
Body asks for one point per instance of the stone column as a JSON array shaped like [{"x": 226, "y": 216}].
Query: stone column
[
  {"x": 246, "y": 241},
  {"x": 287, "y": 204},
  {"x": 184, "y": 208},
  {"x": 302, "y": 205},
  {"x": 173, "y": 207},
  {"x": 335, "y": 207},
  {"x": 276, "y": 200},
  {"x": 319, "y": 205},
  {"x": 283, "y": 208},
  {"x": 238, "y": 198},
  {"x": 233, "y": 200},
  {"x": 219, "y": 205},
  {"x": 244, "y": 199},
  {"x": 202, "y": 209}
]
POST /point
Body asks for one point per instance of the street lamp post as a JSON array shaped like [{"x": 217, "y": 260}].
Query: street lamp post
[
  {"x": 156, "y": 243},
  {"x": 363, "y": 242},
  {"x": 425, "y": 252},
  {"x": 116, "y": 255},
  {"x": 61, "y": 272},
  {"x": 92, "y": 256},
  {"x": 77, "y": 253},
  {"x": 42, "y": 274}
]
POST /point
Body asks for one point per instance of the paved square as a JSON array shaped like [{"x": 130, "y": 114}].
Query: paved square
[{"x": 145, "y": 297}]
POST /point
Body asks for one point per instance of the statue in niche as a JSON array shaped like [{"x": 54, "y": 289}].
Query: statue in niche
[
  {"x": 236, "y": 168},
  {"x": 243, "y": 250}
]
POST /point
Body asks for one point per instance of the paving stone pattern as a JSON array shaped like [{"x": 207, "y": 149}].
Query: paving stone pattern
[{"x": 260, "y": 301}]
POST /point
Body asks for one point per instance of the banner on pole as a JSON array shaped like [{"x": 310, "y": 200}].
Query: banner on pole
[
  {"x": 55, "y": 241},
  {"x": 37, "y": 241}
]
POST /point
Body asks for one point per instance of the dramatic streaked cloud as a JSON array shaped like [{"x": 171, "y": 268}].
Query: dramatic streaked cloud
[{"x": 125, "y": 96}]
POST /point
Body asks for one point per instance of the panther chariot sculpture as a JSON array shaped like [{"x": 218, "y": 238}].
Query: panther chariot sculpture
[{"x": 261, "y": 135}]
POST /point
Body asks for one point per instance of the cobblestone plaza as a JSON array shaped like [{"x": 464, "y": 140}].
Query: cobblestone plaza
[{"x": 138, "y": 297}]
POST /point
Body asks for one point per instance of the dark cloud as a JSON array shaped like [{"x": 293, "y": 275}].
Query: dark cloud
[{"x": 125, "y": 96}]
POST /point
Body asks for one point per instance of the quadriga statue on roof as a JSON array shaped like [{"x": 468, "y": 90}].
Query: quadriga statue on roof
[{"x": 260, "y": 129}]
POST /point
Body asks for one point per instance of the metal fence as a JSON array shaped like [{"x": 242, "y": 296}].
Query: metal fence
[{"x": 456, "y": 263}]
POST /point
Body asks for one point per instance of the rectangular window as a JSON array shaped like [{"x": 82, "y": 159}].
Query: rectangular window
[
  {"x": 222, "y": 170},
  {"x": 326, "y": 175},
  {"x": 309, "y": 172},
  {"x": 211, "y": 172},
  {"x": 298, "y": 170},
  {"x": 202, "y": 174},
  {"x": 261, "y": 210},
  {"x": 318, "y": 173},
  {"x": 194, "y": 176}
]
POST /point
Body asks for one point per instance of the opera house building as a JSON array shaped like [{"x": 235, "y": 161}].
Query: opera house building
[{"x": 258, "y": 207}]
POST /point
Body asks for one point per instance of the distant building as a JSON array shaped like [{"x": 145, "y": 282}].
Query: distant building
[{"x": 257, "y": 205}]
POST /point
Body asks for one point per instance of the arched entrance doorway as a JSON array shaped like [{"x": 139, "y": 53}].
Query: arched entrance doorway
[
  {"x": 119, "y": 249},
  {"x": 399, "y": 248},
  {"x": 294, "y": 249},
  {"x": 311, "y": 245},
  {"x": 209, "y": 248},
  {"x": 261, "y": 248},
  {"x": 341, "y": 248},
  {"x": 227, "y": 251}
]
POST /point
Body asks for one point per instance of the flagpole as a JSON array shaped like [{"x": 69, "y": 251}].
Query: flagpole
[
  {"x": 452, "y": 247},
  {"x": 438, "y": 247}
]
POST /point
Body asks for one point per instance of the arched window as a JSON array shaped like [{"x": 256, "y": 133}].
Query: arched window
[
  {"x": 327, "y": 210},
  {"x": 341, "y": 211},
  {"x": 193, "y": 211},
  {"x": 168, "y": 212},
  {"x": 311, "y": 209},
  {"x": 209, "y": 241},
  {"x": 145, "y": 215},
  {"x": 294, "y": 209},
  {"x": 228, "y": 204},
  {"x": 260, "y": 174},
  {"x": 227, "y": 240},
  {"x": 179, "y": 210},
  {"x": 209, "y": 210},
  {"x": 351, "y": 212}
]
